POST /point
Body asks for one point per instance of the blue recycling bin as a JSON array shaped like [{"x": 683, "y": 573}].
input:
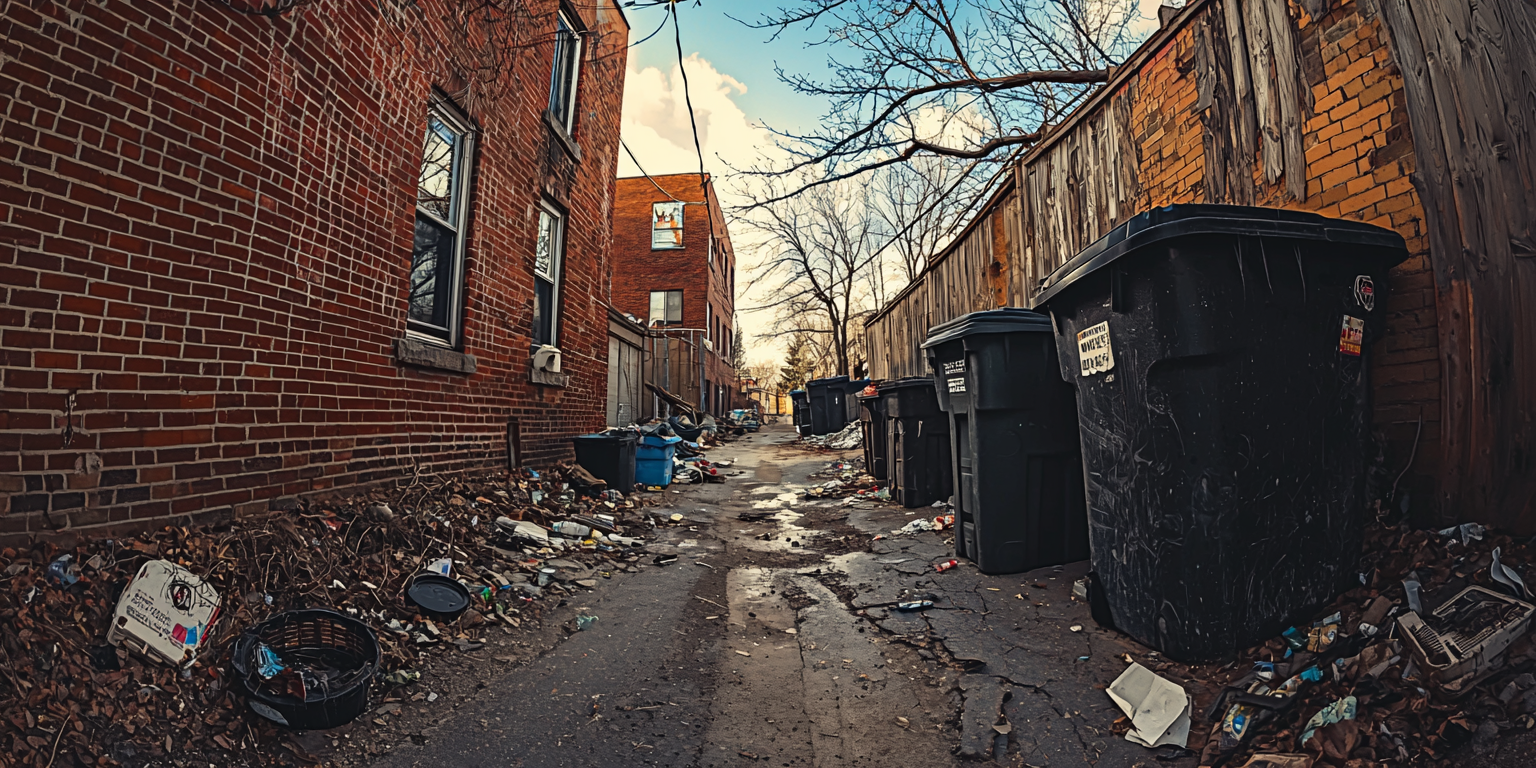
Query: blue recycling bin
[{"x": 653, "y": 459}]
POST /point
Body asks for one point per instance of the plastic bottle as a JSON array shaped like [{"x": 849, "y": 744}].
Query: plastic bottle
[
  {"x": 568, "y": 528},
  {"x": 946, "y": 565}
]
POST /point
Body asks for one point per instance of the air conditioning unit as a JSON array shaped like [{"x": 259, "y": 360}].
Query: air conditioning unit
[{"x": 546, "y": 358}]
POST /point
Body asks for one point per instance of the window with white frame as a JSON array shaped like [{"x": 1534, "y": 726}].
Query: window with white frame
[
  {"x": 666, "y": 225},
  {"x": 549, "y": 252},
  {"x": 442, "y": 218},
  {"x": 567, "y": 69},
  {"x": 666, "y": 307}
]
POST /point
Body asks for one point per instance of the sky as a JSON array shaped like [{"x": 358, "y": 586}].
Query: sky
[{"x": 735, "y": 91}]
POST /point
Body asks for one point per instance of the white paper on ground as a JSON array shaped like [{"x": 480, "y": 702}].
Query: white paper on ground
[
  {"x": 1158, "y": 709},
  {"x": 1505, "y": 575}
]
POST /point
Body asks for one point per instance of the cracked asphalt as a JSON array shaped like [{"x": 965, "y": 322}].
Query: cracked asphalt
[{"x": 772, "y": 642}]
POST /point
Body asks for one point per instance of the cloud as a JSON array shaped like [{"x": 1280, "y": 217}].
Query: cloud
[{"x": 656, "y": 127}]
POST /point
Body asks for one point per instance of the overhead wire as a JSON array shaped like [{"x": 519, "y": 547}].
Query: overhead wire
[{"x": 677, "y": 37}]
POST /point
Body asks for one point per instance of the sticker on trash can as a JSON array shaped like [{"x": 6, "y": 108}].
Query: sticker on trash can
[
  {"x": 954, "y": 375},
  {"x": 1351, "y": 336},
  {"x": 1365, "y": 292},
  {"x": 1093, "y": 350}
]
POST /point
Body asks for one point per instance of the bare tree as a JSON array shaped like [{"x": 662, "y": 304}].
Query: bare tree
[
  {"x": 917, "y": 206},
  {"x": 820, "y": 255},
  {"x": 955, "y": 78}
]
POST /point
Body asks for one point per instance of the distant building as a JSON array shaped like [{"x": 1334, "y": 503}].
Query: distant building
[{"x": 674, "y": 268}]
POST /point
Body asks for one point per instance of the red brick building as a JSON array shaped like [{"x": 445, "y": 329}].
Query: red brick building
[
  {"x": 677, "y": 273},
  {"x": 232, "y": 270}
]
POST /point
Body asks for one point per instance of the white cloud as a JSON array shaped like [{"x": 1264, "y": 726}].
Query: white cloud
[{"x": 655, "y": 127}]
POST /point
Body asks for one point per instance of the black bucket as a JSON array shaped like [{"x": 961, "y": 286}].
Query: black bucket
[{"x": 332, "y": 657}]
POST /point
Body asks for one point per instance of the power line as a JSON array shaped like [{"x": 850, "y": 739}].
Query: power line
[{"x": 677, "y": 37}]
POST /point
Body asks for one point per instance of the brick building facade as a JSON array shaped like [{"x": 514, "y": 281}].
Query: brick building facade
[
  {"x": 698, "y": 264},
  {"x": 230, "y": 273}
]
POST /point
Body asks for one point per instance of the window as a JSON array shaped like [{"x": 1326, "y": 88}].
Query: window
[
  {"x": 548, "y": 254},
  {"x": 711, "y": 251},
  {"x": 666, "y": 307},
  {"x": 442, "y": 216},
  {"x": 562, "y": 82},
  {"x": 666, "y": 226}
]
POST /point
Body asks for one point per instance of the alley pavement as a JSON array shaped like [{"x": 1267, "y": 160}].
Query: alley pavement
[{"x": 772, "y": 640}]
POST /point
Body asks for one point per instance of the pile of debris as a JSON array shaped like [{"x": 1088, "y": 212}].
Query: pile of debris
[
  {"x": 1429, "y": 652},
  {"x": 850, "y": 437},
  {"x": 75, "y": 694}
]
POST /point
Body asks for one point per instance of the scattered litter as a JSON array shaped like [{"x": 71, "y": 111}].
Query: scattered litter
[
  {"x": 1507, "y": 576},
  {"x": 1458, "y": 645},
  {"x": 166, "y": 613},
  {"x": 946, "y": 565},
  {"x": 1158, "y": 709},
  {"x": 1339, "y": 711},
  {"x": 742, "y": 653},
  {"x": 584, "y": 622}
]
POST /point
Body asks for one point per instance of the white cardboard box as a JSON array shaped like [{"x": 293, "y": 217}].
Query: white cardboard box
[{"x": 166, "y": 613}]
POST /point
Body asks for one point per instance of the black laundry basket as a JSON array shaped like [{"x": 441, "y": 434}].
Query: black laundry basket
[
  {"x": 1018, "y": 482},
  {"x": 917, "y": 442},
  {"x": 1219, "y": 359},
  {"x": 342, "y": 651}
]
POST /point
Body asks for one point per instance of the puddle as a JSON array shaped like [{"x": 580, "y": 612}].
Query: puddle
[{"x": 781, "y": 500}]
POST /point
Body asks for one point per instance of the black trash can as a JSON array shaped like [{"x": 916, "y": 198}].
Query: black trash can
[
  {"x": 851, "y": 398},
  {"x": 1017, "y": 469},
  {"x": 829, "y": 411},
  {"x": 609, "y": 456},
  {"x": 872, "y": 423},
  {"x": 800, "y": 401},
  {"x": 1218, "y": 354},
  {"x": 917, "y": 442}
]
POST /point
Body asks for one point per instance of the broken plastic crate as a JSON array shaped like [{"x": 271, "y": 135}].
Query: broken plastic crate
[
  {"x": 166, "y": 613},
  {"x": 1459, "y": 645}
]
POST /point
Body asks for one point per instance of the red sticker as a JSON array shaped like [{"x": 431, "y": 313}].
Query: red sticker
[{"x": 1351, "y": 336}]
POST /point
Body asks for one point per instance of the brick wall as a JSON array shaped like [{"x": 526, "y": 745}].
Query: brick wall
[
  {"x": 1151, "y": 140},
  {"x": 206, "y": 223},
  {"x": 642, "y": 270},
  {"x": 1359, "y": 157}
]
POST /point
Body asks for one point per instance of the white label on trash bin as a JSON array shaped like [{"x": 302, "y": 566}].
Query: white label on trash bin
[
  {"x": 1093, "y": 350},
  {"x": 954, "y": 373}
]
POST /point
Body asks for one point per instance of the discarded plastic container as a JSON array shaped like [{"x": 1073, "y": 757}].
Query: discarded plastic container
[
  {"x": 800, "y": 401},
  {"x": 438, "y": 596},
  {"x": 329, "y": 657},
  {"x": 829, "y": 412},
  {"x": 609, "y": 456},
  {"x": 1219, "y": 358},
  {"x": 653, "y": 459},
  {"x": 872, "y": 423},
  {"x": 1018, "y": 480},
  {"x": 165, "y": 613},
  {"x": 1459, "y": 643},
  {"x": 917, "y": 442}
]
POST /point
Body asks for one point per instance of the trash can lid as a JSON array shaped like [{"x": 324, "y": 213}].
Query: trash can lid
[
  {"x": 1004, "y": 320},
  {"x": 617, "y": 437},
  {"x": 657, "y": 441},
  {"x": 910, "y": 381},
  {"x": 827, "y": 382},
  {"x": 1199, "y": 219}
]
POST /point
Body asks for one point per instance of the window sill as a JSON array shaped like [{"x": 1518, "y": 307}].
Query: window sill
[
  {"x": 427, "y": 355},
  {"x": 567, "y": 142}
]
